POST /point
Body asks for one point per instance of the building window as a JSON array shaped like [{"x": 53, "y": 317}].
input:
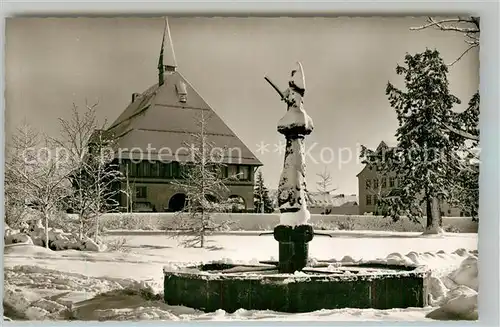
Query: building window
[
  {"x": 244, "y": 173},
  {"x": 176, "y": 171},
  {"x": 368, "y": 199},
  {"x": 141, "y": 192},
  {"x": 185, "y": 170},
  {"x": 133, "y": 169},
  {"x": 384, "y": 182},
  {"x": 144, "y": 169},
  {"x": 223, "y": 171},
  {"x": 375, "y": 199},
  {"x": 232, "y": 171},
  {"x": 155, "y": 169},
  {"x": 392, "y": 182},
  {"x": 461, "y": 213},
  {"x": 375, "y": 183},
  {"x": 368, "y": 184},
  {"x": 166, "y": 170}
]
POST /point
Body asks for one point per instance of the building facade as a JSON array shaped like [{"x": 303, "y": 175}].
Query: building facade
[
  {"x": 373, "y": 185},
  {"x": 332, "y": 204},
  {"x": 153, "y": 138}
]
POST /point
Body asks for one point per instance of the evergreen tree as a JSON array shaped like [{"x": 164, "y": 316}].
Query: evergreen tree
[
  {"x": 425, "y": 155},
  {"x": 262, "y": 201},
  {"x": 466, "y": 194}
]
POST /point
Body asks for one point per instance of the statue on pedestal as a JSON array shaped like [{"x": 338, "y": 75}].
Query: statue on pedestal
[
  {"x": 294, "y": 125},
  {"x": 294, "y": 232}
]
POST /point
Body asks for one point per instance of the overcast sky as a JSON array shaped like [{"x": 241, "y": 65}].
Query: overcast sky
[{"x": 51, "y": 63}]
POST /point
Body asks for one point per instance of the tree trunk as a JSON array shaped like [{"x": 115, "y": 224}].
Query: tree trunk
[
  {"x": 434, "y": 219},
  {"x": 96, "y": 228},
  {"x": 81, "y": 227},
  {"x": 46, "y": 217},
  {"x": 202, "y": 230}
]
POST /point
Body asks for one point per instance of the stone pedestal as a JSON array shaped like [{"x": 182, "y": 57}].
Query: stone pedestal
[
  {"x": 293, "y": 247},
  {"x": 293, "y": 233}
]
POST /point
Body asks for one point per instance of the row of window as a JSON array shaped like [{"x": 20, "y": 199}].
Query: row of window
[
  {"x": 176, "y": 170},
  {"x": 374, "y": 183}
]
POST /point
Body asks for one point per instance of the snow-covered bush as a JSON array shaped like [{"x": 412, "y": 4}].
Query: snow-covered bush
[
  {"x": 451, "y": 229},
  {"x": 117, "y": 244},
  {"x": 131, "y": 221},
  {"x": 347, "y": 224}
]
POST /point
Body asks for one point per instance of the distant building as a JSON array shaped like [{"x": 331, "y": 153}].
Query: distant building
[
  {"x": 372, "y": 185},
  {"x": 162, "y": 119},
  {"x": 332, "y": 204},
  {"x": 329, "y": 204}
]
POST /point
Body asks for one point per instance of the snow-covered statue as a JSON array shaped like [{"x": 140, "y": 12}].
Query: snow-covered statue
[
  {"x": 294, "y": 125},
  {"x": 294, "y": 232}
]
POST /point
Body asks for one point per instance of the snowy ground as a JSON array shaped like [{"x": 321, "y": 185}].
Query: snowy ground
[{"x": 66, "y": 277}]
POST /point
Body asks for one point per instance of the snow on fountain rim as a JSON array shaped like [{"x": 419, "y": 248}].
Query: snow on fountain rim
[{"x": 421, "y": 262}]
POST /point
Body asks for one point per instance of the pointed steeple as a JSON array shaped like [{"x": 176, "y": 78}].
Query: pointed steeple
[{"x": 170, "y": 61}]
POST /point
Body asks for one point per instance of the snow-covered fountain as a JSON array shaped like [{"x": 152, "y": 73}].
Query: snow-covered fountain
[{"x": 295, "y": 283}]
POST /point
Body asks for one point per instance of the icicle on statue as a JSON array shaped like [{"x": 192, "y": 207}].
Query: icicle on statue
[{"x": 293, "y": 233}]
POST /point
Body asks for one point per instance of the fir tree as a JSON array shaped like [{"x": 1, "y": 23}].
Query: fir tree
[
  {"x": 262, "y": 201},
  {"x": 466, "y": 194},
  {"x": 425, "y": 155}
]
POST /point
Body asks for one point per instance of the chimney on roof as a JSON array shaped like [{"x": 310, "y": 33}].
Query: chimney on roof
[{"x": 171, "y": 65}]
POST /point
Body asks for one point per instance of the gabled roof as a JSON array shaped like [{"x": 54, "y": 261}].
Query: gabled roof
[
  {"x": 159, "y": 119},
  {"x": 333, "y": 200},
  {"x": 383, "y": 144}
]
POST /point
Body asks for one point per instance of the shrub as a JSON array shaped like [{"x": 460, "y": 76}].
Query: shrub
[
  {"x": 347, "y": 224},
  {"x": 451, "y": 229},
  {"x": 117, "y": 245}
]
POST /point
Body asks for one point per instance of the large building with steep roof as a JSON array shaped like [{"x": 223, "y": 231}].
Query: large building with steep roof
[{"x": 153, "y": 133}]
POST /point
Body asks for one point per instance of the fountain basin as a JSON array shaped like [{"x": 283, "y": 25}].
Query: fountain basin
[{"x": 326, "y": 285}]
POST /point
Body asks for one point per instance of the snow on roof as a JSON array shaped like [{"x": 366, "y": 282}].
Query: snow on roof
[
  {"x": 333, "y": 200},
  {"x": 160, "y": 119}
]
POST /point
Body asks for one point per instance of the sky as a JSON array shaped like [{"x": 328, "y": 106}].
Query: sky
[{"x": 52, "y": 63}]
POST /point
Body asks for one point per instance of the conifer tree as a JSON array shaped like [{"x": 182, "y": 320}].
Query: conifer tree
[
  {"x": 262, "y": 200},
  {"x": 425, "y": 155},
  {"x": 466, "y": 193}
]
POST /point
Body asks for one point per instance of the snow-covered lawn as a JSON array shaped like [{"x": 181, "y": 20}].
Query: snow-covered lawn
[{"x": 74, "y": 275}]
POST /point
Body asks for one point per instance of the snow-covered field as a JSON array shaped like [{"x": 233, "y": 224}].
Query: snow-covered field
[{"x": 52, "y": 281}]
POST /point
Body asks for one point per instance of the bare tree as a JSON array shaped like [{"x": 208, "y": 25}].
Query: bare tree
[
  {"x": 90, "y": 159},
  {"x": 35, "y": 175},
  {"x": 203, "y": 182},
  {"x": 325, "y": 187},
  {"x": 129, "y": 189},
  {"x": 468, "y": 26},
  {"x": 20, "y": 155}
]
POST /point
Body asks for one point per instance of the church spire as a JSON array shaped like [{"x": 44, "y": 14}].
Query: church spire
[{"x": 170, "y": 61}]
